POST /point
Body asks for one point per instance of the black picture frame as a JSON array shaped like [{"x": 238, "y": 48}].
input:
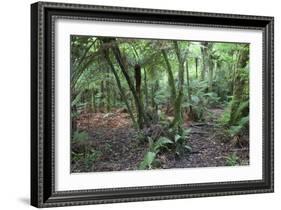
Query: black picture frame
[{"x": 43, "y": 15}]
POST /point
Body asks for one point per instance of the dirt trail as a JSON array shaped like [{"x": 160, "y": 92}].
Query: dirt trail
[
  {"x": 121, "y": 150},
  {"x": 208, "y": 147}
]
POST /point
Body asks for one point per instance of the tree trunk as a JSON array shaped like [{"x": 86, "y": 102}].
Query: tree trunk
[
  {"x": 74, "y": 114},
  {"x": 79, "y": 67},
  {"x": 101, "y": 104},
  {"x": 108, "y": 105},
  {"x": 210, "y": 79},
  {"x": 121, "y": 91},
  {"x": 238, "y": 87},
  {"x": 138, "y": 102},
  {"x": 138, "y": 80},
  {"x": 178, "y": 119},
  {"x": 171, "y": 80},
  {"x": 196, "y": 67},
  {"x": 215, "y": 69},
  {"x": 145, "y": 89},
  {"x": 187, "y": 81},
  {"x": 114, "y": 97},
  {"x": 93, "y": 101},
  {"x": 155, "y": 88},
  {"x": 205, "y": 66}
]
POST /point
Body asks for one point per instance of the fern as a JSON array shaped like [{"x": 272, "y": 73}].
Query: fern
[
  {"x": 237, "y": 129},
  {"x": 162, "y": 142},
  {"x": 87, "y": 159},
  {"x": 232, "y": 160},
  {"x": 225, "y": 118},
  {"x": 147, "y": 160},
  {"x": 180, "y": 141},
  {"x": 235, "y": 117},
  {"x": 239, "y": 111},
  {"x": 91, "y": 157},
  {"x": 79, "y": 136}
]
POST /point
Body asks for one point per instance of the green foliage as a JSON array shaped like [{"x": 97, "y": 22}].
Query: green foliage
[
  {"x": 180, "y": 140},
  {"x": 91, "y": 157},
  {"x": 232, "y": 160},
  {"x": 79, "y": 136},
  {"x": 176, "y": 141},
  {"x": 237, "y": 126},
  {"x": 161, "y": 143},
  {"x": 155, "y": 148},
  {"x": 76, "y": 100},
  {"x": 160, "y": 97},
  {"x": 148, "y": 160},
  {"x": 242, "y": 107},
  {"x": 177, "y": 82},
  {"x": 141, "y": 136},
  {"x": 88, "y": 158},
  {"x": 224, "y": 119},
  {"x": 76, "y": 156},
  {"x": 237, "y": 129},
  {"x": 212, "y": 99},
  {"x": 201, "y": 99},
  {"x": 236, "y": 115}
]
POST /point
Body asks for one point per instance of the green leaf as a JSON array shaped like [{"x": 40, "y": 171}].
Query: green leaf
[
  {"x": 195, "y": 99},
  {"x": 242, "y": 106},
  {"x": 148, "y": 160},
  {"x": 177, "y": 137},
  {"x": 76, "y": 99},
  {"x": 232, "y": 160},
  {"x": 188, "y": 148},
  {"x": 211, "y": 94},
  {"x": 161, "y": 142},
  {"x": 164, "y": 140},
  {"x": 150, "y": 143}
]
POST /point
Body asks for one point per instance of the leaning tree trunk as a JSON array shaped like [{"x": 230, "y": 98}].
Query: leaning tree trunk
[
  {"x": 111, "y": 43},
  {"x": 137, "y": 99},
  {"x": 121, "y": 91},
  {"x": 81, "y": 65}
]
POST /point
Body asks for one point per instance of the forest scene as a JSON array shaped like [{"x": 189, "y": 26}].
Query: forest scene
[{"x": 141, "y": 104}]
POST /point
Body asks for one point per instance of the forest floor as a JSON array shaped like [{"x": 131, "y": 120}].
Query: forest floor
[{"x": 119, "y": 148}]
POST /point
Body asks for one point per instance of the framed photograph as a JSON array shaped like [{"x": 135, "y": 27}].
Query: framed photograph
[{"x": 132, "y": 104}]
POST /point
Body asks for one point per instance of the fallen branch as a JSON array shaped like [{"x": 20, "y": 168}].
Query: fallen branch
[
  {"x": 239, "y": 149},
  {"x": 198, "y": 124},
  {"x": 198, "y": 132},
  {"x": 202, "y": 124}
]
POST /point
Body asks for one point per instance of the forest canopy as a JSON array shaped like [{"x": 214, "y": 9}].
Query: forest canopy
[{"x": 150, "y": 103}]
